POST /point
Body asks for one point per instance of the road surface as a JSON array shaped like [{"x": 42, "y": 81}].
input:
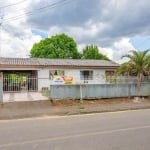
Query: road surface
[{"x": 129, "y": 130}]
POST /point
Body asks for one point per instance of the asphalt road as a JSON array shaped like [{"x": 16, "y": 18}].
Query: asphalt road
[{"x": 128, "y": 130}]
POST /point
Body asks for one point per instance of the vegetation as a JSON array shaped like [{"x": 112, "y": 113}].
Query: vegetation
[
  {"x": 58, "y": 46},
  {"x": 138, "y": 65},
  {"x": 92, "y": 52},
  {"x": 64, "y": 47}
]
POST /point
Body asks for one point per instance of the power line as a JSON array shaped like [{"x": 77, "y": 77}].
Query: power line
[
  {"x": 9, "y": 5},
  {"x": 23, "y": 9},
  {"x": 53, "y": 5}
]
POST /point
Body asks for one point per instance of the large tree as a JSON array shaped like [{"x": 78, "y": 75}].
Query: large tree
[
  {"x": 58, "y": 46},
  {"x": 138, "y": 65},
  {"x": 92, "y": 52}
]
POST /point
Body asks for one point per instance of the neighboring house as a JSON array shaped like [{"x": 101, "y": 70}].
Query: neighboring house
[{"x": 36, "y": 74}]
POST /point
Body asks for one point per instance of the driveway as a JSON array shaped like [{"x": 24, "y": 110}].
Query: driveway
[{"x": 23, "y": 96}]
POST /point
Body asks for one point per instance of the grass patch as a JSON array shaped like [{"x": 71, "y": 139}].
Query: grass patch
[
  {"x": 46, "y": 93},
  {"x": 81, "y": 107}
]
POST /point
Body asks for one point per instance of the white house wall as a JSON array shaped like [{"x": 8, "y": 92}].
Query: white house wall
[
  {"x": 43, "y": 79},
  {"x": 98, "y": 76}
]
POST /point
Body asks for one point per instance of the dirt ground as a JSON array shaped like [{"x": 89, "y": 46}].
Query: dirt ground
[
  {"x": 97, "y": 102},
  {"x": 29, "y": 109}
]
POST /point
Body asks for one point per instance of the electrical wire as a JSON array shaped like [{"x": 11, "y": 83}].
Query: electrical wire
[
  {"x": 9, "y": 5},
  {"x": 23, "y": 9},
  {"x": 53, "y": 5}
]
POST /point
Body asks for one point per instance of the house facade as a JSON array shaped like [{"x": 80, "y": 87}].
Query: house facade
[{"x": 34, "y": 74}]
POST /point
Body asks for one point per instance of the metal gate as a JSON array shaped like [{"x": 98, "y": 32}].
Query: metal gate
[{"x": 19, "y": 82}]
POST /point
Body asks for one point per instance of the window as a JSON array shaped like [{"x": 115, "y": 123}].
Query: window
[
  {"x": 86, "y": 75},
  {"x": 53, "y": 73},
  {"x": 109, "y": 72}
]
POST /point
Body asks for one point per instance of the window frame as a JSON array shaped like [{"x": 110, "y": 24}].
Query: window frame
[{"x": 86, "y": 75}]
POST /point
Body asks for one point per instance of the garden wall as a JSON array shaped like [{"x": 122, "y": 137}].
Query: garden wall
[{"x": 96, "y": 91}]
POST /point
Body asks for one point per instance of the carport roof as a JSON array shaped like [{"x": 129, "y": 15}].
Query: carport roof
[{"x": 40, "y": 62}]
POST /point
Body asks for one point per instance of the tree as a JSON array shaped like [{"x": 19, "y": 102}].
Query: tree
[
  {"x": 58, "y": 46},
  {"x": 138, "y": 65},
  {"x": 92, "y": 52}
]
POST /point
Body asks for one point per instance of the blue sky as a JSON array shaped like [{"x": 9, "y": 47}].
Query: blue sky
[
  {"x": 41, "y": 33},
  {"x": 115, "y": 26},
  {"x": 141, "y": 43}
]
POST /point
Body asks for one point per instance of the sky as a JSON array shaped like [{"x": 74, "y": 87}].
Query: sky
[{"x": 115, "y": 26}]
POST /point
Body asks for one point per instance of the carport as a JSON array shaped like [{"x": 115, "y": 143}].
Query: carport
[{"x": 19, "y": 80}]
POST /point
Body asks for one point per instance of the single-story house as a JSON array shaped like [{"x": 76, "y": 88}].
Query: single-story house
[{"x": 36, "y": 74}]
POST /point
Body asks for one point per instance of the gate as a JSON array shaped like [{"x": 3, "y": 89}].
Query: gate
[{"x": 19, "y": 82}]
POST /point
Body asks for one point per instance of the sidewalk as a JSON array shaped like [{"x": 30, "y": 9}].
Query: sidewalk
[
  {"x": 27, "y": 109},
  {"x": 23, "y": 96}
]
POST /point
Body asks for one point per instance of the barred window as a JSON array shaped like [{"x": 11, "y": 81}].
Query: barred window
[
  {"x": 86, "y": 75},
  {"x": 53, "y": 73}
]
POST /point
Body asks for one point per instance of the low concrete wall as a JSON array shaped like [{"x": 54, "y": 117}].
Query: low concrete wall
[
  {"x": 1, "y": 91},
  {"x": 95, "y": 91}
]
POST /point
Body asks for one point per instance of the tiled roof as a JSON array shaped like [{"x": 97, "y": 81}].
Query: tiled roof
[{"x": 56, "y": 62}]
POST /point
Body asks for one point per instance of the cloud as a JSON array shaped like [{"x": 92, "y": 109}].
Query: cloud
[
  {"x": 70, "y": 13},
  {"x": 96, "y": 21},
  {"x": 122, "y": 48},
  {"x": 109, "y": 24},
  {"x": 113, "y": 18},
  {"x": 16, "y": 38},
  {"x": 16, "y": 46},
  {"x": 119, "y": 49}
]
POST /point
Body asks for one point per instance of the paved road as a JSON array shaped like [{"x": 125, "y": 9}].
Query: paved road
[{"x": 128, "y": 130}]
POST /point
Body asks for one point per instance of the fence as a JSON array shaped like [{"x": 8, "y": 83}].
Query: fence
[
  {"x": 19, "y": 83},
  {"x": 96, "y": 91},
  {"x": 125, "y": 79}
]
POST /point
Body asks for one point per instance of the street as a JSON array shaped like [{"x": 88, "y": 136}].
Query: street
[{"x": 128, "y": 130}]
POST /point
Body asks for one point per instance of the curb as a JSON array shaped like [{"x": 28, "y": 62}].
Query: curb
[{"x": 63, "y": 114}]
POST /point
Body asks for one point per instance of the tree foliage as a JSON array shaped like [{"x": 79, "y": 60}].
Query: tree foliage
[
  {"x": 138, "y": 65},
  {"x": 92, "y": 52},
  {"x": 58, "y": 46}
]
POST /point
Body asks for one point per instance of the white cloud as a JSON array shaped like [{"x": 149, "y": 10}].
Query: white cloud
[
  {"x": 16, "y": 38},
  {"x": 17, "y": 47},
  {"x": 87, "y": 31},
  {"x": 108, "y": 24},
  {"x": 54, "y": 30},
  {"x": 80, "y": 47},
  {"x": 107, "y": 51},
  {"x": 122, "y": 47}
]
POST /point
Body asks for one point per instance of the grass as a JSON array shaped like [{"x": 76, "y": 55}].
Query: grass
[
  {"x": 81, "y": 106},
  {"x": 46, "y": 93}
]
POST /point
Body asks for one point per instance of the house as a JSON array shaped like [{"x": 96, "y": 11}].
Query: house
[{"x": 36, "y": 74}]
